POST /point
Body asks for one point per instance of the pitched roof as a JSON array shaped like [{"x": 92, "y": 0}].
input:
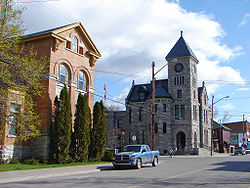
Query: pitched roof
[
  {"x": 181, "y": 48},
  {"x": 161, "y": 91},
  {"x": 220, "y": 126},
  {"x": 55, "y": 32}
]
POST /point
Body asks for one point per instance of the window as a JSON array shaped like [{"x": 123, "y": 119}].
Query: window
[
  {"x": 80, "y": 50},
  {"x": 164, "y": 128},
  {"x": 63, "y": 74},
  {"x": 140, "y": 114},
  {"x": 13, "y": 118},
  {"x": 118, "y": 123},
  {"x": 179, "y": 80},
  {"x": 68, "y": 44},
  {"x": 156, "y": 106},
  {"x": 164, "y": 108},
  {"x": 179, "y": 93},
  {"x": 205, "y": 99},
  {"x": 194, "y": 112},
  {"x": 141, "y": 96},
  {"x": 177, "y": 111},
  {"x": 74, "y": 44},
  {"x": 194, "y": 94},
  {"x": 182, "y": 111},
  {"x": 156, "y": 127},
  {"x": 130, "y": 115},
  {"x": 81, "y": 81}
]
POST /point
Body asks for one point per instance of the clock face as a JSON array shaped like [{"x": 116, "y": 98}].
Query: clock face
[{"x": 178, "y": 67}]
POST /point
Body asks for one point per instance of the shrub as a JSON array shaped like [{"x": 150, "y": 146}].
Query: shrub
[
  {"x": 108, "y": 156},
  {"x": 13, "y": 160},
  {"x": 2, "y": 161},
  {"x": 31, "y": 161}
]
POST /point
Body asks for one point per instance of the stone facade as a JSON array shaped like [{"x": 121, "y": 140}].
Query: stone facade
[
  {"x": 182, "y": 114},
  {"x": 71, "y": 58}
]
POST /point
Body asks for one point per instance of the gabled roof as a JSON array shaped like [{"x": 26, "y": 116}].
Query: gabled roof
[
  {"x": 180, "y": 49},
  {"x": 220, "y": 126},
  {"x": 161, "y": 91},
  {"x": 55, "y": 32}
]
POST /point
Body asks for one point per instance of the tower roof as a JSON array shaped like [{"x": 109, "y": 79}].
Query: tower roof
[{"x": 181, "y": 48}]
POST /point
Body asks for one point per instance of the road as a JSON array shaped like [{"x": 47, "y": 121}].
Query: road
[{"x": 230, "y": 171}]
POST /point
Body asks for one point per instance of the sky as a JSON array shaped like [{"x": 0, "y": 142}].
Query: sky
[{"x": 130, "y": 34}]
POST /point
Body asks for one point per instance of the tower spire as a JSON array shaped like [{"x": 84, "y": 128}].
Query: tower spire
[{"x": 181, "y": 33}]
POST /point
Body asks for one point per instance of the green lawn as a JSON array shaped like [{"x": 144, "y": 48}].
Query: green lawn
[{"x": 20, "y": 166}]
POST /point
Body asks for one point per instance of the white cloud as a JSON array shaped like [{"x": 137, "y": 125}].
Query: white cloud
[
  {"x": 244, "y": 20},
  {"x": 228, "y": 106},
  {"x": 243, "y": 89},
  {"x": 130, "y": 34}
]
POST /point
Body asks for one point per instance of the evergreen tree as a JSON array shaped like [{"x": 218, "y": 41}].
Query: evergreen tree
[
  {"x": 61, "y": 128},
  {"x": 98, "y": 133},
  {"x": 81, "y": 136}
]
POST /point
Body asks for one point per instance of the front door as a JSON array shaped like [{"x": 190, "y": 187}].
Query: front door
[{"x": 181, "y": 141}]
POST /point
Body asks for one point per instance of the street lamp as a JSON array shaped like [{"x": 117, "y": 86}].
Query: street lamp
[{"x": 212, "y": 117}]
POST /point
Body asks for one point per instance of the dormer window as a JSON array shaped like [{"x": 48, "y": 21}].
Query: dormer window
[
  {"x": 74, "y": 44},
  {"x": 141, "y": 96}
]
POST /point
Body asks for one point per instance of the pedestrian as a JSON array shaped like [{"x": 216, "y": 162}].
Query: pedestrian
[{"x": 171, "y": 151}]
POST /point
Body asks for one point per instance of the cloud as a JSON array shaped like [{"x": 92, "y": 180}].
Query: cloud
[
  {"x": 130, "y": 34},
  {"x": 228, "y": 106},
  {"x": 244, "y": 20},
  {"x": 243, "y": 89}
]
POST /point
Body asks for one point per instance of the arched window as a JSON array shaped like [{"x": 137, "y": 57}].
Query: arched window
[
  {"x": 156, "y": 127},
  {"x": 63, "y": 74},
  {"x": 81, "y": 81},
  {"x": 74, "y": 44},
  {"x": 164, "y": 128}
]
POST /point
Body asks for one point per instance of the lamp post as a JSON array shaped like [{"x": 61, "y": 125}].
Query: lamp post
[
  {"x": 153, "y": 101},
  {"x": 212, "y": 119}
]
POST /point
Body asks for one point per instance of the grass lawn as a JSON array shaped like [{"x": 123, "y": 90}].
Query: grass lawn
[{"x": 20, "y": 166}]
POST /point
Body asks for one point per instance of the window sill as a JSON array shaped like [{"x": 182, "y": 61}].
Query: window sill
[
  {"x": 11, "y": 136},
  {"x": 74, "y": 52}
]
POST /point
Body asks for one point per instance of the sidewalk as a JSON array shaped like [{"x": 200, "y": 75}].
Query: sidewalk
[
  {"x": 22, "y": 175},
  {"x": 199, "y": 156}
]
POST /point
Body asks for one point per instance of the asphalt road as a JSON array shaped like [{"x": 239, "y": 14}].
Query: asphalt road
[{"x": 230, "y": 171}]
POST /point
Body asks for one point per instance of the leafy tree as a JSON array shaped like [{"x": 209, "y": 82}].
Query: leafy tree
[
  {"x": 98, "y": 133},
  {"x": 20, "y": 70},
  {"x": 81, "y": 136},
  {"x": 61, "y": 129}
]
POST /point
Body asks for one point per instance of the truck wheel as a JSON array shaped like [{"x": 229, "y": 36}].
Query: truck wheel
[
  {"x": 138, "y": 164},
  {"x": 117, "y": 167},
  {"x": 155, "y": 162}
]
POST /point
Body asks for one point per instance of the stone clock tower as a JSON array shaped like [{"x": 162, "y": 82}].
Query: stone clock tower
[{"x": 182, "y": 85}]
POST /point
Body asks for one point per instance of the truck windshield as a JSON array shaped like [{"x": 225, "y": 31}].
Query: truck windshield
[{"x": 132, "y": 149}]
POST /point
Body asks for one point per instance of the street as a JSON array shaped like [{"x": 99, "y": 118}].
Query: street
[{"x": 181, "y": 171}]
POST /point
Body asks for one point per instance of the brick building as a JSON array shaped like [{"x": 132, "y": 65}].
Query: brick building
[
  {"x": 72, "y": 55},
  {"x": 239, "y": 129},
  {"x": 182, "y": 114},
  {"x": 221, "y": 137}
]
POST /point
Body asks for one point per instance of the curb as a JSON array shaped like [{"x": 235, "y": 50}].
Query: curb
[{"x": 40, "y": 176}]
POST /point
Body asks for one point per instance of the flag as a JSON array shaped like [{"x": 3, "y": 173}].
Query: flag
[{"x": 105, "y": 92}]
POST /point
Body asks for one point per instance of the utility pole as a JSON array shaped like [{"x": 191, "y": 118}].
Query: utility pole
[
  {"x": 243, "y": 130},
  {"x": 212, "y": 121},
  {"x": 153, "y": 105}
]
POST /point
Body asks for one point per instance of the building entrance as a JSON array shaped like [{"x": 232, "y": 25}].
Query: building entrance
[{"x": 181, "y": 141}]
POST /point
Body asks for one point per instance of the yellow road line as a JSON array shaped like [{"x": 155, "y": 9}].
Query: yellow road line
[{"x": 170, "y": 177}]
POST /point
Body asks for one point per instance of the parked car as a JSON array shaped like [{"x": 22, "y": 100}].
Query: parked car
[
  {"x": 240, "y": 150},
  {"x": 247, "y": 150},
  {"x": 136, "y": 156}
]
